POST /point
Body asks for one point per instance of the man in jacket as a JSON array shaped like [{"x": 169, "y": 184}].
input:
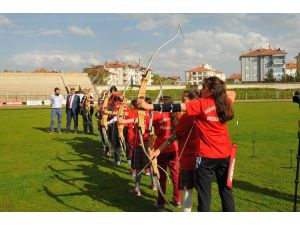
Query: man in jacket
[{"x": 72, "y": 110}]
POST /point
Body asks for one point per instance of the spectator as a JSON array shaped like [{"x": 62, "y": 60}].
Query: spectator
[
  {"x": 56, "y": 101},
  {"x": 72, "y": 110}
]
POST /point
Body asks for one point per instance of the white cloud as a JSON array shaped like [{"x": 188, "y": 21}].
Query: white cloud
[
  {"x": 4, "y": 20},
  {"x": 158, "y": 34},
  {"x": 150, "y": 22},
  {"x": 219, "y": 48},
  {"x": 87, "y": 31},
  {"x": 43, "y": 32},
  {"x": 66, "y": 61},
  {"x": 51, "y": 32},
  {"x": 131, "y": 57}
]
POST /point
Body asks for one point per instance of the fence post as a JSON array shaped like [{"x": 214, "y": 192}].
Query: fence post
[{"x": 246, "y": 96}]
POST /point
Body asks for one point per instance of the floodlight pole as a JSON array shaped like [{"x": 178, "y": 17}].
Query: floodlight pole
[{"x": 297, "y": 170}]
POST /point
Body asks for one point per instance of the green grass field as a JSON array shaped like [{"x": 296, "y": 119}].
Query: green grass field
[
  {"x": 67, "y": 172},
  {"x": 241, "y": 94}
]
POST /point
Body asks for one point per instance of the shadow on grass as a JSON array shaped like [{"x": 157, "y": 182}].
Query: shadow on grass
[
  {"x": 47, "y": 129},
  {"x": 86, "y": 172},
  {"x": 247, "y": 186}
]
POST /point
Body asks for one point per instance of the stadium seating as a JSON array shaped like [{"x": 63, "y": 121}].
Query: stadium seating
[{"x": 40, "y": 84}]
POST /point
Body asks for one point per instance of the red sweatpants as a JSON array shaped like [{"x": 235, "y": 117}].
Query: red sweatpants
[{"x": 168, "y": 160}]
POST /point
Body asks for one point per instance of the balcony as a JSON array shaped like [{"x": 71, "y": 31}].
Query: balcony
[{"x": 278, "y": 61}]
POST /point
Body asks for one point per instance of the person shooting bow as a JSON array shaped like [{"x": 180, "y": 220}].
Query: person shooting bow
[
  {"x": 213, "y": 147},
  {"x": 87, "y": 110}
]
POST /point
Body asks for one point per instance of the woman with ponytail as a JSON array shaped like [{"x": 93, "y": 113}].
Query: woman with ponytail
[{"x": 213, "y": 146}]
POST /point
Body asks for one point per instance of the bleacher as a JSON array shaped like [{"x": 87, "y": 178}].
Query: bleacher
[{"x": 40, "y": 84}]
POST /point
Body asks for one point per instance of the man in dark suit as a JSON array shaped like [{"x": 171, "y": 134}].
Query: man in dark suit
[{"x": 72, "y": 110}]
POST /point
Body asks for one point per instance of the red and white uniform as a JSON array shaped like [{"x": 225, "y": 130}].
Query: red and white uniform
[
  {"x": 212, "y": 136},
  {"x": 168, "y": 158},
  {"x": 135, "y": 129},
  {"x": 163, "y": 130},
  {"x": 186, "y": 136}
]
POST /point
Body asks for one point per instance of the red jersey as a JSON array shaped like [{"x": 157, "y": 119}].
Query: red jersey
[
  {"x": 186, "y": 136},
  {"x": 212, "y": 136},
  {"x": 114, "y": 102},
  {"x": 135, "y": 129},
  {"x": 163, "y": 130},
  {"x": 131, "y": 115},
  {"x": 125, "y": 111}
]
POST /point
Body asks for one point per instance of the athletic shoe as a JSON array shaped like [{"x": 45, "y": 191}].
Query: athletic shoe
[
  {"x": 147, "y": 172},
  {"x": 157, "y": 205},
  {"x": 153, "y": 187},
  {"x": 59, "y": 132},
  {"x": 136, "y": 191},
  {"x": 51, "y": 132},
  {"x": 176, "y": 204}
]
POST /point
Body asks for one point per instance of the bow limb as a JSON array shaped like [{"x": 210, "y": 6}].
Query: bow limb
[
  {"x": 141, "y": 117},
  {"x": 120, "y": 126},
  {"x": 107, "y": 143},
  {"x": 163, "y": 45},
  {"x": 183, "y": 148},
  {"x": 154, "y": 166},
  {"x": 103, "y": 122}
]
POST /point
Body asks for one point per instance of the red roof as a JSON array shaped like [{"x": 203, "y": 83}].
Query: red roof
[
  {"x": 171, "y": 78},
  {"x": 114, "y": 65},
  {"x": 263, "y": 52},
  {"x": 198, "y": 69},
  {"x": 174, "y": 77},
  {"x": 234, "y": 76},
  {"x": 291, "y": 66}
]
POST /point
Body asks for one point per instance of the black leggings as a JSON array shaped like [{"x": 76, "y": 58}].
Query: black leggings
[{"x": 206, "y": 168}]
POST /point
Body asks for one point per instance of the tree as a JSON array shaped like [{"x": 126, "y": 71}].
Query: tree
[
  {"x": 287, "y": 78},
  {"x": 155, "y": 79},
  {"x": 270, "y": 77},
  {"x": 98, "y": 74},
  {"x": 297, "y": 77}
]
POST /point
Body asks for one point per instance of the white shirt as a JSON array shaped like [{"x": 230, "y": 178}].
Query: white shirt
[{"x": 56, "y": 101}]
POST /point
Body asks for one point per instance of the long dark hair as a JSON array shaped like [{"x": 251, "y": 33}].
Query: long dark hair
[
  {"x": 174, "y": 115},
  {"x": 218, "y": 87},
  {"x": 190, "y": 94}
]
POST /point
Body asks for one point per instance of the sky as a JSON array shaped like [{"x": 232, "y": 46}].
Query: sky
[{"x": 70, "y": 42}]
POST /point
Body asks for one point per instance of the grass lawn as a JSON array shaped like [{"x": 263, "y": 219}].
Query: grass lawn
[{"x": 67, "y": 172}]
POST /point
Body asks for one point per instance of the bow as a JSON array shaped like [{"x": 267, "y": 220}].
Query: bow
[
  {"x": 120, "y": 114},
  {"x": 141, "y": 115},
  {"x": 87, "y": 106},
  {"x": 104, "y": 125}
]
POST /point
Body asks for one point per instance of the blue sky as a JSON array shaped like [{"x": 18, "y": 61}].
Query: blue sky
[{"x": 69, "y": 42}]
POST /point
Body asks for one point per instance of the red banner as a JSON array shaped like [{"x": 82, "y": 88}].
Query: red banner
[{"x": 11, "y": 103}]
